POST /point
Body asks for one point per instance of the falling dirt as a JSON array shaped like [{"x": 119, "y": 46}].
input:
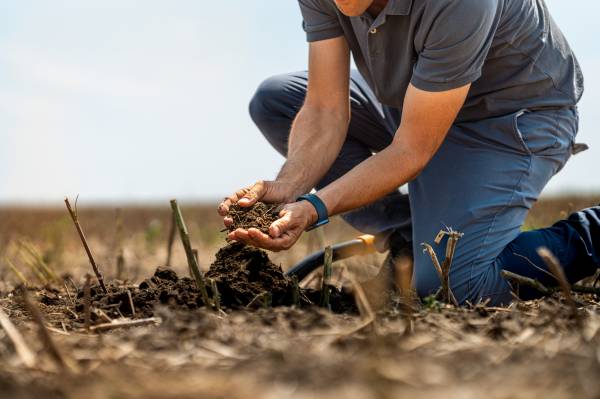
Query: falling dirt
[{"x": 259, "y": 216}]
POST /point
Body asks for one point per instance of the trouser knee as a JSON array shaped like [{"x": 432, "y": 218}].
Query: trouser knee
[
  {"x": 273, "y": 108},
  {"x": 260, "y": 102}
]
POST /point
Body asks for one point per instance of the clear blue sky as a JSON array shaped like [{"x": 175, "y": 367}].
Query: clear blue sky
[{"x": 147, "y": 100}]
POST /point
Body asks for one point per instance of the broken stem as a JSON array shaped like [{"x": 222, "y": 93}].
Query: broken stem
[
  {"x": 16, "y": 271},
  {"x": 557, "y": 270},
  {"x": 530, "y": 282},
  {"x": 443, "y": 269},
  {"x": 192, "y": 262},
  {"x": 326, "y": 284},
  {"x": 170, "y": 241},
  {"x": 131, "y": 305},
  {"x": 43, "y": 332},
  {"x": 127, "y": 323},
  {"x": 364, "y": 307},
  {"x": 85, "y": 245},
  {"x": 120, "y": 261},
  {"x": 195, "y": 252},
  {"x": 25, "y": 354},
  {"x": 216, "y": 296}
]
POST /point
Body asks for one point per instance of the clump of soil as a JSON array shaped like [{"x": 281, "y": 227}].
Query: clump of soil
[
  {"x": 244, "y": 273},
  {"x": 259, "y": 216},
  {"x": 164, "y": 287},
  {"x": 245, "y": 277}
]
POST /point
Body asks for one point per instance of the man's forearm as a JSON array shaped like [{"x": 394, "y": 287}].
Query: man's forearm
[
  {"x": 315, "y": 141},
  {"x": 426, "y": 119},
  {"x": 371, "y": 180}
]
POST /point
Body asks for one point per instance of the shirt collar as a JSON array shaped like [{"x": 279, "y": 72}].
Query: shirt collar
[
  {"x": 399, "y": 7},
  {"x": 393, "y": 7}
]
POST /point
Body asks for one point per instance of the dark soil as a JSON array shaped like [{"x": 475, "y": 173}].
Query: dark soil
[
  {"x": 164, "y": 287},
  {"x": 244, "y": 273},
  {"x": 245, "y": 277},
  {"x": 259, "y": 216}
]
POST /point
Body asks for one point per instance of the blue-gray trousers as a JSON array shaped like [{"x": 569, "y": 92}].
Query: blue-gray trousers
[{"x": 482, "y": 182}]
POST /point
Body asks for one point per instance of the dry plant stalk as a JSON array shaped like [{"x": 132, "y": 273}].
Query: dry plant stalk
[
  {"x": 443, "y": 269},
  {"x": 120, "y": 261},
  {"x": 192, "y": 261},
  {"x": 16, "y": 271},
  {"x": 557, "y": 270},
  {"x": 535, "y": 284},
  {"x": 125, "y": 323},
  {"x": 530, "y": 282},
  {"x": 195, "y": 252},
  {"x": 87, "y": 302},
  {"x": 33, "y": 267},
  {"x": 171, "y": 240},
  {"x": 131, "y": 305},
  {"x": 216, "y": 297},
  {"x": 264, "y": 297},
  {"x": 23, "y": 351},
  {"x": 326, "y": 281},
  {"x": 364, "y": 307},
  {"x": 33, "y": 257},
  {"x": 86, "y": 246},
  {"x": 295, "y": 292},
  {"x": 44, "y": 334}
]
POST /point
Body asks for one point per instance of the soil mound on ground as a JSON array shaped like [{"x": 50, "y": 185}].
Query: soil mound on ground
[
  {"x": 259, "y": 216},
  {"x": 164, "y": 287},
  {"x": 244, "y": 276},
  {"x": 244, "y": 273}
]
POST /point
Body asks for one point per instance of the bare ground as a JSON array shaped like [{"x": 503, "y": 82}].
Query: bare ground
[{"x": 531, "y": 349}]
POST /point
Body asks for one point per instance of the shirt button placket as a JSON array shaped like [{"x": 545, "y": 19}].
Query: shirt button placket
[{"x": 373, "y": 52}]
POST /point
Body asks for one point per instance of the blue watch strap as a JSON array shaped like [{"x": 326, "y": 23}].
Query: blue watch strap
[{"x": 322, "y": 214}]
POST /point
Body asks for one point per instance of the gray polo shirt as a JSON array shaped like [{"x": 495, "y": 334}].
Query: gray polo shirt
[{"x": 511, "y": 51}]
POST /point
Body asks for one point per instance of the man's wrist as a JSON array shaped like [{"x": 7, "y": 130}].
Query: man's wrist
[
  {"x": 313, "y": 216},
  {"x": 318, "y": 207},
  {"x": 291, "y": 189}
]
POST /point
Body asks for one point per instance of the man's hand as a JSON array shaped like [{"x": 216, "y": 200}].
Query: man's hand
[
  {"x": 274, "y": 192},
  {"x": 293, "y": 220},
  {"x": 316, "y": 137}
]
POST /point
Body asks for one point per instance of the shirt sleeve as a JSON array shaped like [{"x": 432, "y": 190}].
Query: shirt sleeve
[
  {"x": 320, "y": 20},
  {"x": 456, "y": 38}
]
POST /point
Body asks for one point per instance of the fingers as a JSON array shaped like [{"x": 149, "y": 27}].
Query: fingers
[
  {"x": 259, "y": 239},
  {"x": 223, "y": 208},
  {"x": 252, "y": 195},
  {"x": 279, "y": 226}
]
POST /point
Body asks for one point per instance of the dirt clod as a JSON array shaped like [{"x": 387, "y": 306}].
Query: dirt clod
[
  {"x": 164, "y": 287},
  {"x": 244, "y": 273},
  {"x": 259, "y": 216}
]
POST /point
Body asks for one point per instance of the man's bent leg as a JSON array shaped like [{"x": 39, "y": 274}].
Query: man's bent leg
[
  {"x": 574, "y": 241},
  {"x": 276, "y": 104},
  {"x": 482, "y": 182}
]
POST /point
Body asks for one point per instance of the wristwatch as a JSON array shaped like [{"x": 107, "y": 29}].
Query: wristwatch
[{"x": 322, "y": 214}]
